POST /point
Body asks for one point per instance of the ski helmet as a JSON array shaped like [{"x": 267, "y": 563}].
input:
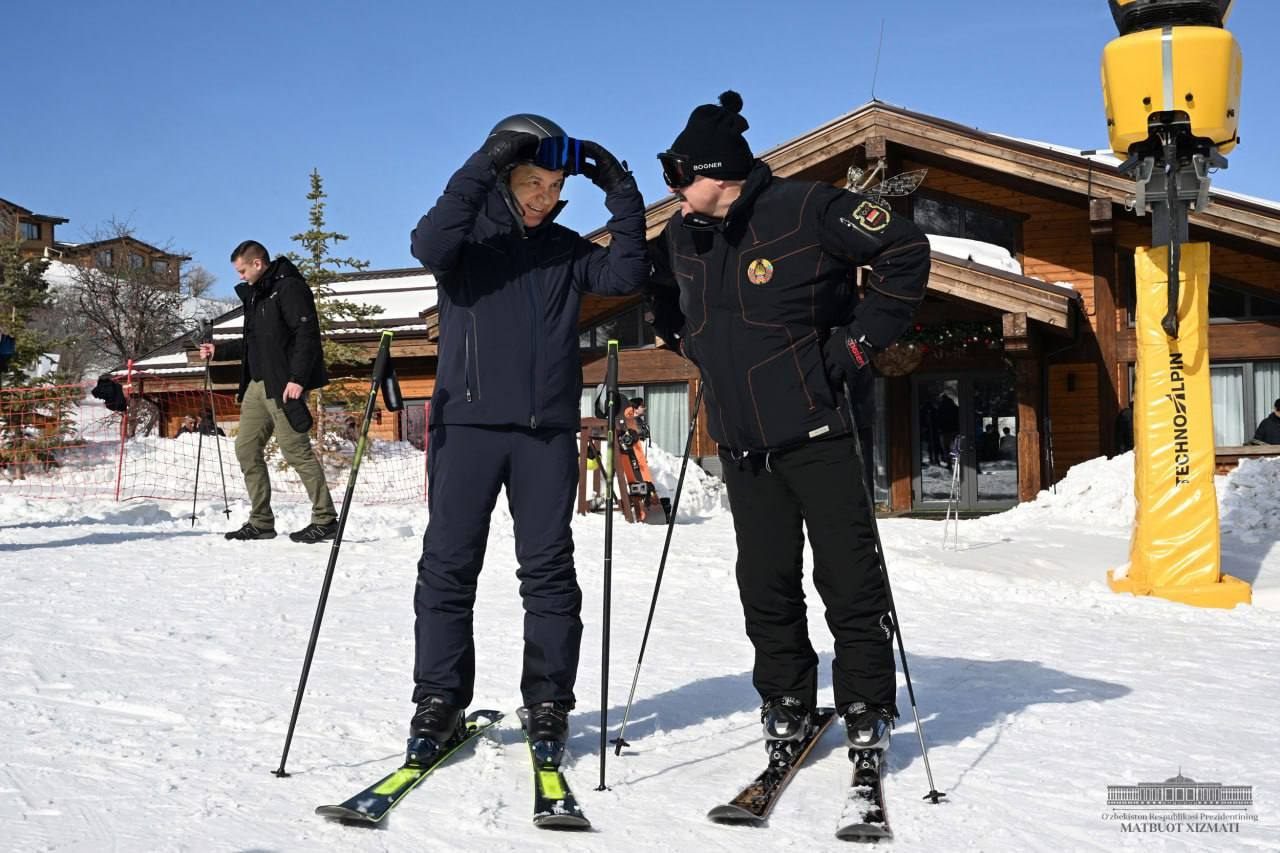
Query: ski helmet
[{"x": 540, "y": 126}]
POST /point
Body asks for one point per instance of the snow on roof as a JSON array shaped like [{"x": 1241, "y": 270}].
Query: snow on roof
[
  {"x": 987, "y": 254},
  {"x": 1110, "y": 158},
  {"x": 399, "y": 297}
]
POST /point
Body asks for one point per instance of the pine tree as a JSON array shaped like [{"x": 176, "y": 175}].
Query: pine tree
[
  {"x": 23, "y": 294},
  {"x": 321, "y": 270}
]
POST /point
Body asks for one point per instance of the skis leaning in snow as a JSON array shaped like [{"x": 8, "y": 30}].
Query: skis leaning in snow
[
  {"x": 863, "y": 817},
  {"x": 754, "y": 802},
  {"x": 554, "y": 805},
  {"x": 374, "y": 803}
]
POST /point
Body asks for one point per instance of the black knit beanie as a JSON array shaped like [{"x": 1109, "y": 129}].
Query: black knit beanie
[{"x": 713, "y": 140}]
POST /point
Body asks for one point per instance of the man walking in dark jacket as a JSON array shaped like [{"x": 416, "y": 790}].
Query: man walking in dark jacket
[
  {"x": 505, "y": 407},
  {"x": 280, "y": 361},
  {"x": 755, "y": 282}
]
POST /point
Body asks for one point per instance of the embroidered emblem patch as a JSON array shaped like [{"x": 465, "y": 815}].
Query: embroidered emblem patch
[
  {"x": 871, "y": 216},
  {"x": 760, "y": 271}
]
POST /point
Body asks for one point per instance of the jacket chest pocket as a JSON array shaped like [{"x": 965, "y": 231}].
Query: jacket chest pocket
[
  {"x": 691, "y": 277},
  {"x": 779, "y": 287}
]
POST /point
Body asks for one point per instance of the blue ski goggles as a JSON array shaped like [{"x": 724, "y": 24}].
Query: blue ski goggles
[{"x": 560, "y": 153}]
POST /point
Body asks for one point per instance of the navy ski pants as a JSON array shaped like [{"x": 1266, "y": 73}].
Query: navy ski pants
[{"x": 466, "y": 468}]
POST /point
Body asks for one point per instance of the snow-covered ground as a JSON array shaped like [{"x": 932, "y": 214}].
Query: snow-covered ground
[{"x": 147, "y": 671}]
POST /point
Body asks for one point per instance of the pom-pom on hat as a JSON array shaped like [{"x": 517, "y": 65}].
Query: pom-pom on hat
[{"x": 713, "y": 141}]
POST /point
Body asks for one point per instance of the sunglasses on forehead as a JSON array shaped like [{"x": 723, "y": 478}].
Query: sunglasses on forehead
[{"x": 677, "y": 169}]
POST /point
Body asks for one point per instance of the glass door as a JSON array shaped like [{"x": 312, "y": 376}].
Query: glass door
[{"x": 965, "y": 441}]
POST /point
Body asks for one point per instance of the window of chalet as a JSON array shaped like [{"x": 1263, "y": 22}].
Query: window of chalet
[
  {"x": 136, "y": 261},
  {"x": 160, "y": 267},
  {"x": 105, "y": 258},
  {"x": 31, "y": 231},
  {"x": 628, "y": 328},
  {"x": 953, "y": 217},
  {"x": 1243, "y": 393}
]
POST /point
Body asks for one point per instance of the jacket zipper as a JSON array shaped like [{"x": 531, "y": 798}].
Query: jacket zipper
[
  {"x": 466, "y": 365},
  {"x": 535, "y": 329}
]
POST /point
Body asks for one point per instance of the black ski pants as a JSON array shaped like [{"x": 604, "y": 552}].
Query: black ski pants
[
  {"x": 466, "y": 468},
  {"x": 816, "y": 487}
]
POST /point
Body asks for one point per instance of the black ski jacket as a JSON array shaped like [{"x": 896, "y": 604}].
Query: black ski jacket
[
  {"x": 281, "y": 340},
  {"x": 753, "y": 299},
  {"x": 509, "y": 298},
  {"x": 1268, "y": 431}
]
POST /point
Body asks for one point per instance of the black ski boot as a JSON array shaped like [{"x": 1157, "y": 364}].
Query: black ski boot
[
  {"x": 436, "y": 725},
  {"x": 546, "y": 725},
  {"x": 868, "y": 727},
  {"x": 785, "y": 718},
  {"x": 787, "y": 725}
]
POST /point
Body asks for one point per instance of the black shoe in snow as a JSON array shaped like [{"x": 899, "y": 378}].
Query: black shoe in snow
[
  {"x": 436, "y": 720},
  {"x": 313, "y": 533},
  {"x": 785, "y": 718},
  {"x": 868, "y": 726},
  {"x": 548, "y": 721},
  {"x": 248, "y": 531}
]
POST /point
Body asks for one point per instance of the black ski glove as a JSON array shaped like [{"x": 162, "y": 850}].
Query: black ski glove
[
  {"x": 846, "y": 352},
  {"x": 605, "y": 172},
  {"x": 509, "y": 146}
]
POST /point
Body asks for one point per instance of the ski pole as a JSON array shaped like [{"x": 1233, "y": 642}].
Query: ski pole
[
  {"x": 611, "y": 443},
  {"x": 620, "y": 741},
  {"x": 934, "y": 794},
  {"x": 382, "y": 375}
]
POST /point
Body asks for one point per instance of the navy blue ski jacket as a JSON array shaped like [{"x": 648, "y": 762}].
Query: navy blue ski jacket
[{"x": 509, "y": 297}]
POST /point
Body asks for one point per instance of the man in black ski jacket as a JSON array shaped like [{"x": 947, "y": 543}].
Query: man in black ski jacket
[
  {"x": 280, "y": 361},
  {"x": 1268, "y": 431},
  {"x": 754, "y": 281},
  {"x": 505, "y": 407}
]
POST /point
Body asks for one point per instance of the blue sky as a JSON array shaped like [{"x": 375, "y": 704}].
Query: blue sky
[{"x": 199, "y": 122}]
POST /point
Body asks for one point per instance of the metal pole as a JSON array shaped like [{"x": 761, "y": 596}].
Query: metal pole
[
  {"x": 934, "y": 794},
  {"x": 380, "y": 367},
  {"x": 611, "y": 415},
  {"x": 620, "y": 741}
]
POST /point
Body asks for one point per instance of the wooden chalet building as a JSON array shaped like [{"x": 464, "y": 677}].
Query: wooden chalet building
[{"x": 1025, "y": 343}]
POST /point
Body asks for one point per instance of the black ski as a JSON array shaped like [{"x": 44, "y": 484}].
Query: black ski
[
  {"x": 554, "y": 805},
  {"x": 863, "y": 817},
  {"x": 754, "y": 802},
  {"x": 374, "y": 803}
]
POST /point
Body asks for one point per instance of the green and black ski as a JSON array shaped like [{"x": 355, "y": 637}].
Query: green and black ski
[
  {"x": 554, "y": 805},
  {"x": 374, "y": 803}
]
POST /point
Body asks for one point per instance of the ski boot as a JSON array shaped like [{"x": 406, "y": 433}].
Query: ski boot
[
  {"x": 435, "y": 727},
  {"x": 787, "y": 724},
  {"x": 546, "y": 725},
  {"x": 868, "y": 729}
]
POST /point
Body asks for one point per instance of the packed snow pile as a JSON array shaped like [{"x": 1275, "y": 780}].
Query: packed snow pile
[
  {"x": 1249, "y": 498},
  {"x": 977, "y": 251},
  {"x": 1098, "y": 493},
  {"x": 702, "y": 495}
]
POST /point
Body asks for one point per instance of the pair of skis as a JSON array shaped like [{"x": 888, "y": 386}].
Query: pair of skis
[
  {"x": 554, "y": 805},
  {"x": 863, "y": 816}
]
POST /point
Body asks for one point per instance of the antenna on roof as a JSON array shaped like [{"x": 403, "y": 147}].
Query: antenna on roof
[{"x": 876, "y": 71}]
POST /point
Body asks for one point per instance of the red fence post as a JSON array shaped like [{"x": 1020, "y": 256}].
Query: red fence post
[
  {"x": 426, "y": 436},
  {"x": 124, "y": 425}
]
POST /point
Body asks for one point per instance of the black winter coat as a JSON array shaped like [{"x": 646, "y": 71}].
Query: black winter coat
[
  {"x": 281, "y": 340},
  {"x": 753, "y": 300},
  {"x": 509, "y": 298},
  {"x": 1268, "y": 431}
]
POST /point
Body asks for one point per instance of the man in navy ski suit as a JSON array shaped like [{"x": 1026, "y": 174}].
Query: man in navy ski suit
[{"x": 505, "y": 407}]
